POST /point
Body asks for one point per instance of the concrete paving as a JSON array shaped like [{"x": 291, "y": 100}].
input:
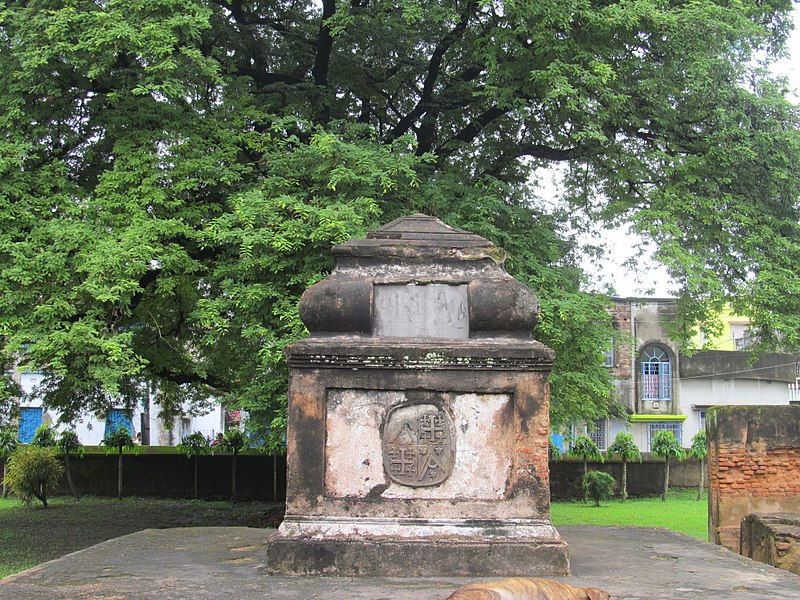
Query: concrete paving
[{"x": 228, "y": 563}]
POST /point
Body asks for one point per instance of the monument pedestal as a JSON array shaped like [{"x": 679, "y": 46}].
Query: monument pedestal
[
  {"x": 417, "y": 548},
  {"x": 418, "y": 416}
]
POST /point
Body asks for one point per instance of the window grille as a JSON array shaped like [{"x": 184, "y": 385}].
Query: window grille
[
  {"x": 609, "y": 359},
  {"x": 673, "y": 426},
  {"x": 598, "y": 433},
  {"x": 656, "y": 375}
]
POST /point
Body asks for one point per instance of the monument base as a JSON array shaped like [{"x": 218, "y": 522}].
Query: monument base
[{"x": 382, "y": 547}]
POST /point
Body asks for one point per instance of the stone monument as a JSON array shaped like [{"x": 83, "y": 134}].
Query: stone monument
[{"x": 418, "y": 416}]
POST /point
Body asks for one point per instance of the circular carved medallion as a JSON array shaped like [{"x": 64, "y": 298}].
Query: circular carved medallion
[{"x": 419, "y": 445}]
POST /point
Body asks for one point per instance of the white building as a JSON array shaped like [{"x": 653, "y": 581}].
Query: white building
[{"x": 144, "y": 424}]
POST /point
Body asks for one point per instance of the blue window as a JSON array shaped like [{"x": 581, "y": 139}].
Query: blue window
[
  {"x": 29, "y": 419},
  {"x": 656, "y": 374},
  {"x": 118, "y": 417}
]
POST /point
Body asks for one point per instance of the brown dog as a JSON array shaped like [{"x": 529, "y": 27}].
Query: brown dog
[{"x": 526, "y": 588}]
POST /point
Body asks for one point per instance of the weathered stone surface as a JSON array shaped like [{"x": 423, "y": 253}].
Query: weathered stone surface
[
  {"x": 356, "y": 448},
  {"x": 435, "y": 310},
  {"x": 435, "y": 558},
  {"x": 773, "y": 538},
  {"x": 753, "y": 466},
  {"x": 418, "y": 415},
  {"x": 418, "y": 277}
]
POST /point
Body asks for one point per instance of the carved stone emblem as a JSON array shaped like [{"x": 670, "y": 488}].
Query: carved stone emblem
[{"x": 419, "y": 446}]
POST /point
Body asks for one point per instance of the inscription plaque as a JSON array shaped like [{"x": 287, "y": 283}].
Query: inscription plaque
[
  {"x": 418, "y": 445},
  {"x": 433, "y": 310}
]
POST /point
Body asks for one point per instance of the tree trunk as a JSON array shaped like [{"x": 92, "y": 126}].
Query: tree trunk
[
  {"x": 702, "y": 479},
  {"x": 42, "y": 495},
  {"x": 585, "y": 472},
  {"x": 274, "y": 477},
  {"x": 69, "y": 477},
  {"x": 119, "y": 475},
  {"x": 666, "y": 479},
  {"x": 624, "y": 480},
  {"x": 233, "y": 478}
]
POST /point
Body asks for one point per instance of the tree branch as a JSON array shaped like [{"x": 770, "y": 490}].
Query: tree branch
[
  {"x": 434, "y": 67},
  {"x": 324, "y": 45}
]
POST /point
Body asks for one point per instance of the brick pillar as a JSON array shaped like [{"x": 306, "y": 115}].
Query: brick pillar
[{"x": 753, "y": 466}]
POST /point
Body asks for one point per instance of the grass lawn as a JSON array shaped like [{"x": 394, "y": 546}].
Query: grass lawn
[
  {"x": 681, "y": 513},
  {"x": 32, "y": 535}
]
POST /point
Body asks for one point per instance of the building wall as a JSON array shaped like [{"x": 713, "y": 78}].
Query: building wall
[
  {"x": 723, "y": 377},
  {"x": 91, "y": 428}
]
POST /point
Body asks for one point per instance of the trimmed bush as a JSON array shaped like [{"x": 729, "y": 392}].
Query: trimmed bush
[
  {"x": 598, "y": 486},
  {"x": 33, "y": 471}
]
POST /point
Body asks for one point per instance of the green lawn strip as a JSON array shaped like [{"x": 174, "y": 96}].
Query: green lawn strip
[
  {"x": 32, "y": 535},
  {"x": 681, "y": 513}
]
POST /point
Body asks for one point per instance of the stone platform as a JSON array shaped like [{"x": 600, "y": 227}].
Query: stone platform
[{"x": 229, "y": 562}]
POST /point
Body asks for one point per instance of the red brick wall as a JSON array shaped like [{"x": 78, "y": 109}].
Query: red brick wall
[
  {"x": 621, "y": 314},
  {"x": 753, "y": 466}
]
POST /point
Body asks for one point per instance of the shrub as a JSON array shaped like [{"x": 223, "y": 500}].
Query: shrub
[
  {"x": 598, "y": 486},
  {"x": 32, "y": 472},
  {"x": 45, "y": 436}
]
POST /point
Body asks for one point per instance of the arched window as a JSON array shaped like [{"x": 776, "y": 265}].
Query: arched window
[{"x": 656, "y": 374}]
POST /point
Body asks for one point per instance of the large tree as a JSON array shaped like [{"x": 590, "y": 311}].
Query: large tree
[{"x": 173, "y": 173}]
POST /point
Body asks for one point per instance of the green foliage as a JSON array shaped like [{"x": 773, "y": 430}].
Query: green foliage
[
  {"x": 69, "y": 444},
  {"x": 119, "y": 439},
  {"x": 698, "y": 448},
  {"x": 598, "y": 486},
  {"x": 8, "y": 441},
  {"x": 174, "y": 174},
  {"x": 624, "y": 447},
  {"x": 44, "y": 436},
  {"x": 553, "y": 452},
  {"x": 31, "y": 472},
  {"x": 234, "y": 441},
  {"x": 10, "y": 393},
  {"x": 667, "y": 446},
  {"x": 195, "y": 444},
  {"x": 584, "y": 448}
]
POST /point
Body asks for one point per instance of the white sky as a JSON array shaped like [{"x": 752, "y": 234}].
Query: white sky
[{"x": 654, "y": 281}]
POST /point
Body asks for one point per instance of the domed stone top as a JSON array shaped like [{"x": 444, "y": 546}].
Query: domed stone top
[
  {"x": 430, "y": 229},
  {"x": 417, "y": 277}
]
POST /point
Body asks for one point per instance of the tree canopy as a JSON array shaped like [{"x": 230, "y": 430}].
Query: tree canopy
[{"x": 174, "y": 173}]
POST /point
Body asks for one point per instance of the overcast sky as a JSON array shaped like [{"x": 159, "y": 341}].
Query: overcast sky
[{"x": 654, "y": 281}]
